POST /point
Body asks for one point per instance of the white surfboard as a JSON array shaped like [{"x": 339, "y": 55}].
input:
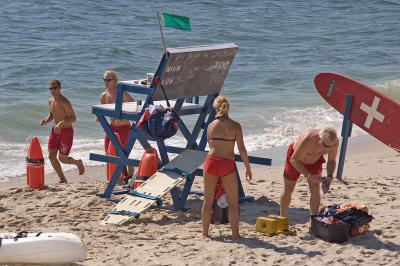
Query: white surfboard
[{"x": 41, "y": 248}]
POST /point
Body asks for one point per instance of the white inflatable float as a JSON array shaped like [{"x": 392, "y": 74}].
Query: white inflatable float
[{"x": 41, "y": 248}]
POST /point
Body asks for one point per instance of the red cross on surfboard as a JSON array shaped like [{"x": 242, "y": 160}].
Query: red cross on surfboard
[{"x": 371, "y": 110}]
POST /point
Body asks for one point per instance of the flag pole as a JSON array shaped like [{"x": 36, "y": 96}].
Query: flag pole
[{"x": 162, "y": 35}]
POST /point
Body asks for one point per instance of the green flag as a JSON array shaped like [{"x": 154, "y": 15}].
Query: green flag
[{"x": 174, "y": 21}]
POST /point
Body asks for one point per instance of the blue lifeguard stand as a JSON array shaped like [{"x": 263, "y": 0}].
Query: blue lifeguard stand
[
  {"x": 186, "y": 73},
  {"x": 347, "y": 127}
]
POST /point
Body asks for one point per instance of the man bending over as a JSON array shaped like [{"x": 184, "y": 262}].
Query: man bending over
[{"x": 305, "y": 156}]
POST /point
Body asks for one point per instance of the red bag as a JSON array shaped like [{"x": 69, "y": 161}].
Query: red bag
[
  {"x": 219, "y": 214},
  {"x": 220, "y": 197}
]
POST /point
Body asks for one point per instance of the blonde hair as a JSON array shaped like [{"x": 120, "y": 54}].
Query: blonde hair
[
  {"x": 329, "y": 133},
  {"x": 221, "y": 105},
  {"x": 111, "y": 73}
]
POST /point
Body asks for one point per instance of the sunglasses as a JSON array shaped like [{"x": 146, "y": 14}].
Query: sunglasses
[
  {"x": 53, "y": 88},
  {"x": 326, "y": 146},
  {"x": 107, "y": 80}
]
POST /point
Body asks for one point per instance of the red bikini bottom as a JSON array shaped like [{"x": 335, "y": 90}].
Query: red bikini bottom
[{"x": 218, "y": 166}]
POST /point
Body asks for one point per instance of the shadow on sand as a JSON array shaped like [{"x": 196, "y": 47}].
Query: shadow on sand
[
  {"x": 253, "y": 242},
  {"x": 370, "y": 241},
  {"x": 249, "y": 211}
]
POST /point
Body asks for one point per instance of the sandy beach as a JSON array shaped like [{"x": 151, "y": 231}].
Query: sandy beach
[{"x": 162, "y": 237}]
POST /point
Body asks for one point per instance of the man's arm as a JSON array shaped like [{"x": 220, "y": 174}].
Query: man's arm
[
  {"x": 69, "y": 116},
  {"x": 298, "y": 165},
  {"x": 295, "y": 160},
  {"x": 127, "y": 97},
  {"x": 331, "y": 164},
  {"x": 49, "y": 117},
  {"x": 102, "y": 98}
]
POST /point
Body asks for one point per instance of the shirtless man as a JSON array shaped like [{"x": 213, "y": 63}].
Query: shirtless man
[
  {"x": 62, "y": 133},
  {"x": 305, "y": 156},
  {"x": 120, "y": 126}
]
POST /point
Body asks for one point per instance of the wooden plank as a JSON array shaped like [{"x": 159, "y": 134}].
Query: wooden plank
[
  {"x": 134, "y": 204},
  {"x": 157, "y": 185},
  {"x": 130, "y": 107}
]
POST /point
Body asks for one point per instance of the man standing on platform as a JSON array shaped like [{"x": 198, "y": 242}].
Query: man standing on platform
[
  {"x": 120, "y": 126},
  {"x": 305, "y": 156},
  {"x": 62, "y": 133}
]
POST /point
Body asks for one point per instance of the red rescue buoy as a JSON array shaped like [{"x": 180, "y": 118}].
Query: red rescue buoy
[
  {"x": 111, "y": 166},
  {"x": 147, "y": 167},
  {"x": 34, "y": 165}
]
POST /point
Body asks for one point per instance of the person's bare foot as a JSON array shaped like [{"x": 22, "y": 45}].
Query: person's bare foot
[
  {"x": 236, "y": 237},
  {"x": 81, "y": 167},
  {"x": 63, "y": 181}
]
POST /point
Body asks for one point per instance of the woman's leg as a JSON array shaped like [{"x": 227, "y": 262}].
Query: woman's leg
[
  {"x": 230, "y": 185},
  {"x": 210, "y": 183}
]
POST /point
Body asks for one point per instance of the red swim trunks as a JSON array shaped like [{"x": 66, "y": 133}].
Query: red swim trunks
[
  {"x": 123, "y": 132},
  {"x": 218, "y": 166},
  {"x": 61, "y": 142},
  {"x": 292, "y": 174}
]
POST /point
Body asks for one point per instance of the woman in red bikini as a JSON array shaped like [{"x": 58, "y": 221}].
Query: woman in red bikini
[{"x": 222, "y": 134}]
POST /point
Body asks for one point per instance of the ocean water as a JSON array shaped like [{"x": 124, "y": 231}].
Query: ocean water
[{"x": 282, "y": 46}]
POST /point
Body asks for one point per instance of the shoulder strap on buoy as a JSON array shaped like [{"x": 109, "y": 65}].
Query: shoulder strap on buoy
[
  {"x": 33, "y": 161},
  {"x": 20, "y": 235}
]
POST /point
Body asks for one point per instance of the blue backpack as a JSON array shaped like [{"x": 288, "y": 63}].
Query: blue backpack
[
  {"x": 158, "y": 121},
  {"x": 161, "y": 123}
]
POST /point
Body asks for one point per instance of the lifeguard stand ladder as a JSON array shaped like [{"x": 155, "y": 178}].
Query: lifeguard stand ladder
[{"x": 185, "y": 73}]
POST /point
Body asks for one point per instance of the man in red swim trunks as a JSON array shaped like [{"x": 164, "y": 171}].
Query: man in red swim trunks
[
  {"x": 306, "y": 156},
  {"x": 62, "y": 133},
  {"x": 120, "y": 126}
]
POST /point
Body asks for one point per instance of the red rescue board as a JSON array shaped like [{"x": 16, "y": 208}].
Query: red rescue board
[{"x": 371, "y": 110}]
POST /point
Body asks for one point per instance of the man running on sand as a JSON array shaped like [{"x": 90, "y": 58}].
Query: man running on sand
[
  {"x": 305, "y": 156},
  {"x": 62, "y": 133}
]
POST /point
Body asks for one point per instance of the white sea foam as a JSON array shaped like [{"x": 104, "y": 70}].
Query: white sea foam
[
  {"x": 391, "y": 89},
  {"x": 13, "y": 155},
  {"x": 283, "y": 127},
  {"x": 274, "y": 129}
]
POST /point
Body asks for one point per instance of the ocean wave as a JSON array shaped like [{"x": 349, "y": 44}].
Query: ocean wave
[
  {"x": 275, "y": 127},
  {"x": 283, "y": 127},
  {"x": 12, "y": 157},
  {"x": 390, "y": 88},
  {"x": 273, "y": 68}
]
